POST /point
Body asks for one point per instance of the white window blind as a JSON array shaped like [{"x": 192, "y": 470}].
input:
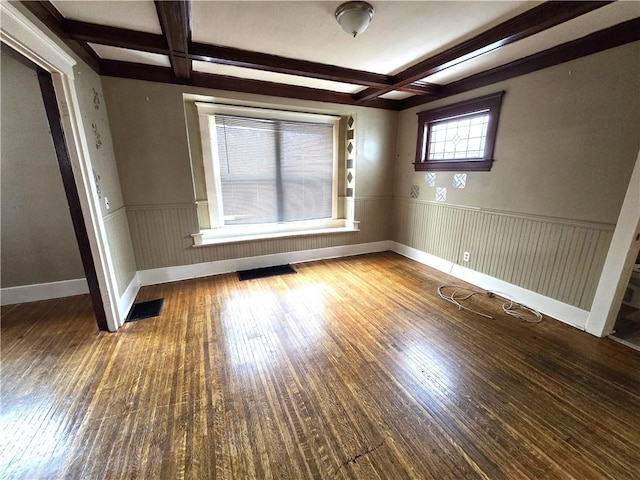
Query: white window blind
[{"x": 273, "y": 170}]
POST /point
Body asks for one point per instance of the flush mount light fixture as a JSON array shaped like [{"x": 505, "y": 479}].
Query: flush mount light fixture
[{"x": 354, "y": 17}]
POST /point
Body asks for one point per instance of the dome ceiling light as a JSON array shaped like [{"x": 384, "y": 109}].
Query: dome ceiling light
[{"x": 354, "y": 17}]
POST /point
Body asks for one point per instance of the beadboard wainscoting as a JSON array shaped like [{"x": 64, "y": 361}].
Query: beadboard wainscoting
[
  {"x": 161, "y": 235},
  {"x": 123, "y": 260},
  {"x": 557, "y": 258},
  {"x": 118, "y": 236}
]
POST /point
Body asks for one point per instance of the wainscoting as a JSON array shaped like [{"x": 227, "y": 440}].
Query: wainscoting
[
  {"x": 161, "y": 235},
  {"x": 560, "y": 259},
  {"x": 118, "y": 236},
  {"x": 550, "y": 259}
]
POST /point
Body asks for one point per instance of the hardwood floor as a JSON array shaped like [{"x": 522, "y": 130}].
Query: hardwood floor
[{"x": 351, "y": 368}]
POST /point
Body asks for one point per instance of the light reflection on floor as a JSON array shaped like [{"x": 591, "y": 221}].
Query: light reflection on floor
[
  {"x": 430, "y": 366},
  {"x": 42, "y": 435},
  {"x": 255, "y": 323}
]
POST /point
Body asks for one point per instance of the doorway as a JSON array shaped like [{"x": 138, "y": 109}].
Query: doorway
[
  {"x": 620, "y": 262},
  {"x": 627, "y": 326},
  {"x": 19, "y": 33},
  {"x": 42, "y": 242}
]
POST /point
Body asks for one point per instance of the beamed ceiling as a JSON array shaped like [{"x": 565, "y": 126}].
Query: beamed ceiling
[{"x": 412, "y": 53}]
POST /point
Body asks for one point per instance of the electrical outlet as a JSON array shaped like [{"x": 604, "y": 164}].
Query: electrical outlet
[{"x": 466, "y": 256}]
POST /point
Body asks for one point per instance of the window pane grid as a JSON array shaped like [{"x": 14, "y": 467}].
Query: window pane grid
[{"x": 459, "y": 138}]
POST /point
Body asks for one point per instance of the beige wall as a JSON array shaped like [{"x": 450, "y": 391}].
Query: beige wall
[
  {"x": 566, "y": 141},
  {"x": 152, "y": 148},
  {"x": 38, "y": 243},
  {"x": 543, "y": 217}
]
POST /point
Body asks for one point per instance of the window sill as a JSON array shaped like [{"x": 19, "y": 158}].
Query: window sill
[
  {"x": 454, "y": 166},
  {"x": 235, "y": 234}
]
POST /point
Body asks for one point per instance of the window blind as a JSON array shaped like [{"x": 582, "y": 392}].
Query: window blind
[{"x": 274, "y": 170}]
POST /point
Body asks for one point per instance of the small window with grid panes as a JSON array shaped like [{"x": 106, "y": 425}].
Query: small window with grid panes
[{"x": 459, "y": 137}]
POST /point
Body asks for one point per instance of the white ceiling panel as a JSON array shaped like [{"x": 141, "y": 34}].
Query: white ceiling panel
[
  {"x": 135, "y": 56},
  {"x": 134, "y": 15},
  {"x": 253, "y": 74},
  {"x": 397, "y": 95},
  {"x": 400, "y": 34},
  {"x": 599, "y": 19}
]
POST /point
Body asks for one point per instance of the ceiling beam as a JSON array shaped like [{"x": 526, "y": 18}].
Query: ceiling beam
[
  {"x": 599, "y": 41},
  {"x": 115, "y": 37},
  {"x": 535, "y": 20},
  {"x": 115, "y": 68},
  {"x": 54, "y": 21},
  {"x": 176, "y": 42},
  {"x": 150, "y": 42},
  {"x": 291, "y": 66},
  {"x": 422, "y": 88},
  {"x": 175, "y": 21}
]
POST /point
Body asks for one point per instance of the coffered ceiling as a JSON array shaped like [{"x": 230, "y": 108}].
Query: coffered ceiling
[{"x": 412, "y": 53}]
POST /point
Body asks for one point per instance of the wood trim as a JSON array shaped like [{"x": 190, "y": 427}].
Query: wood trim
[
  {"x": 611, "y": 37},
  {"x": 274, "y": 63},
  {"x": 422, "y": 88},
  {"x": 17, "y": 56},
  {"x": 175, "y": 21},
  {"x": 453, "y": 166},
  {"x": 54, "y": 21},
  {"x": 544, "y": 16},
  {"x": 492, "y": 103},
  {"x": 138, "y": 71},
  {"x": 149, "y": 42},
  {"x": 115, "y": 37},
  {"x": 73, "y": 199},
  {"x": 535, "y": 20},
  {"x": 114, "y": 68}
]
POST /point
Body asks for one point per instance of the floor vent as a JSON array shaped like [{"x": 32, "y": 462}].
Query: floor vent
[
  {"x": 265, "y": 272},
  {"x": 141, "y": 310}
]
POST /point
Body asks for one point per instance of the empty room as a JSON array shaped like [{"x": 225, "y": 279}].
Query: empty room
[{"x": 320, "y": 239}]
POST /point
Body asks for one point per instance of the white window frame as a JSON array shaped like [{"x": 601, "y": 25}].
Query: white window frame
[{"x": 220, "y": 233}]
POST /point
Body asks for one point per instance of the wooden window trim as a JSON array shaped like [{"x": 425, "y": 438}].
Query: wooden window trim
[{"x": 491, "y": 102}]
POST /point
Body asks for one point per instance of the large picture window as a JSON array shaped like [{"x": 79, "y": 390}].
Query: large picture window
[
  {"x": 268, "y": 171},
  {"x": 459, "y": 137}
]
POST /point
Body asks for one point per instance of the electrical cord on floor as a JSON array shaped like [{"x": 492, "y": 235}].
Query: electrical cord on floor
[
  {"x": 510, "y": 307},
  {"x": 511, "y": 310},
  {"x": 456, "y": 301}
]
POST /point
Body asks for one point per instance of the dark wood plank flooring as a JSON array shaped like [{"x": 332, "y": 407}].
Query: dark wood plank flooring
[{"x": 352, "y": 368}]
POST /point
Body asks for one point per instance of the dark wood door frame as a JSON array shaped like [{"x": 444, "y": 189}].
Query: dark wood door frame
[{"x": 71, "y": 191}]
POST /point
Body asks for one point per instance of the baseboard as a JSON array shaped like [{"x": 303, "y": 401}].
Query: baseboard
[
  {"x": 566, "y": 313},
  {"x": 569, "y": 314},
  {"x": 127, "y": 299},
  {"x": 184, "y": 272},
  {"x": 43, "y": 291}
]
